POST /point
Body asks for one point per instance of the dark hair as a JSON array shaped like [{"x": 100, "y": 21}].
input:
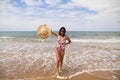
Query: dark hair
[{"x": 61, "y": 29}]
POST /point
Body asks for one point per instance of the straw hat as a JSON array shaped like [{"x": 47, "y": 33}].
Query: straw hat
[{"x": 43, "y": 31}]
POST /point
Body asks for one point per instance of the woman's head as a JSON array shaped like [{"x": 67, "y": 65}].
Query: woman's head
[{"x": 62, "y": 31}]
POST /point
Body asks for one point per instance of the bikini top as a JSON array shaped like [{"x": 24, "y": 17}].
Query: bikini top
[{"x": 61, "y": 40}]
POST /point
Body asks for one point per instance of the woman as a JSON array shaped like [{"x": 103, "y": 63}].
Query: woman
[{"x": 62, "y": 40}]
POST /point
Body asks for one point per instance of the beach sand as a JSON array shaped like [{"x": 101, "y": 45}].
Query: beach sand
[{"x": 96, "y": 75}]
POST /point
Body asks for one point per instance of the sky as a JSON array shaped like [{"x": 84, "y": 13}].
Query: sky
[{"x": 75, "y": 15}]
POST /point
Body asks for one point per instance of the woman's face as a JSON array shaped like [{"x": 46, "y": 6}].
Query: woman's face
[{"x": 62, "y": 31}]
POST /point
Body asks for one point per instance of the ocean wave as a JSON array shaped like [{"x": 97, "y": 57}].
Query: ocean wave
[
  {"x": 5, "y": 37},
  {"x": 96, "y": 40}
]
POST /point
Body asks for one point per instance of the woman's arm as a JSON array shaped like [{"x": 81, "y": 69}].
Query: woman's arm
[
  {"x": 68, "y": 40},
  {"x": 54, "y": 33}
]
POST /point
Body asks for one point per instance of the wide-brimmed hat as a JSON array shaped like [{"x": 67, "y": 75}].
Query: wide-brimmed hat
[{"x": 43, "y": 31}]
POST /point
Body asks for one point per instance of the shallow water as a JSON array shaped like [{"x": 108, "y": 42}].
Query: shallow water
[
  {"x": 23, "y": 55},
  {"x": 20, "y": 59}
]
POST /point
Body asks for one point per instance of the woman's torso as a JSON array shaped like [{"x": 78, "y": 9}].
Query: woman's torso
[{"x": 61, "y": 41}]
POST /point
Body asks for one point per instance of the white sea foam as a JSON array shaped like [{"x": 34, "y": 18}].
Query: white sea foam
[
  {"x": 20, "y": 57},
  {"x": 89, "y": 72},
  {"x": 97, "y": 40},
  {"x": 5, "y": 37}
]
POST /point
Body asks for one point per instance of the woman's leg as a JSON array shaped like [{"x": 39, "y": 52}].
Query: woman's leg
[
  {"x": 57, "y": 61},
  {"x": 61, "y": 59}
]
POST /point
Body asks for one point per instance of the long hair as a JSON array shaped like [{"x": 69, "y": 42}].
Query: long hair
[{"x": 61, "y": 29}]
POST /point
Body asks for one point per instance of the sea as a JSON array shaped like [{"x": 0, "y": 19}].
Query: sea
[{"x": 24, "y": 55}]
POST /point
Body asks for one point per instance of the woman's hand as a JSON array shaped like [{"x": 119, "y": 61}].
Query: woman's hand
[{"x": 68, "y": 40}]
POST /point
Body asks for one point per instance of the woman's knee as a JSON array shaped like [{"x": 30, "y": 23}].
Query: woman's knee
[{"x": 60, "y": 59}]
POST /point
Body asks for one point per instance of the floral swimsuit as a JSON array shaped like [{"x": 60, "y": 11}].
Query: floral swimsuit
[{"x": 60, "y": 45}]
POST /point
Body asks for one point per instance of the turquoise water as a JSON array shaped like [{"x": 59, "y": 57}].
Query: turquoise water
[{"x": 74, "y": 35}]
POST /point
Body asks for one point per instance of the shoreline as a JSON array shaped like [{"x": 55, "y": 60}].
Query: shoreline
[
  {"x": 30, "y": 59},
  {"x": 94, "y": 75}
]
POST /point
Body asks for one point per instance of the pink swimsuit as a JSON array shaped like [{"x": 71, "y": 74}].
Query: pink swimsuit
[{"x": 60, "y": 45}]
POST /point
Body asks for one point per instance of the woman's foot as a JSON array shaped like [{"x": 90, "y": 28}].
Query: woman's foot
[{"x": 56, "y": 74}]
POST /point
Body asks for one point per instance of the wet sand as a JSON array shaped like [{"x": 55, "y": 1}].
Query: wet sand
[
  {"x": 99, "y": 75},
  {"x": 96, "y": 75}
]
